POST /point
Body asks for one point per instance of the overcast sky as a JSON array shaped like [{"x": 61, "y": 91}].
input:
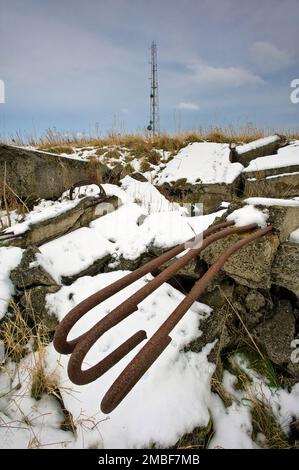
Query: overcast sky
[{"x": 78, "y": 65}]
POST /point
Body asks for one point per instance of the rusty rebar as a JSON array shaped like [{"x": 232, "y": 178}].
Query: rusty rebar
[
  {"x": 60, "y": 338},
  {"x": 160, "y": 340},
  {"x": 80, "y": 346},
  {"x": 126, "y": 308}
]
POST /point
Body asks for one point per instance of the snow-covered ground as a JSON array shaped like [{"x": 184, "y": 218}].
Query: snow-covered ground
[
  {"x": 9, "y": 259},
  {"x": 174, "y": 396}
]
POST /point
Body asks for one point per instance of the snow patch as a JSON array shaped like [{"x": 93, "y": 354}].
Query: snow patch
[
  {"x": 286, "y": 156},
  {"x": 9, "y": 259},
  {"x": 201, "y": 162},
  {"x": 249, "y": 215},
  {"x": 270, "y": 201},
  {"x": 294, "y": 236},
  {"x": 255, "y": 144}
]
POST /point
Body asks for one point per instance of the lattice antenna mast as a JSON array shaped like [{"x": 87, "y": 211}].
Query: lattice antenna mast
[{"x": 154, "y": 124}]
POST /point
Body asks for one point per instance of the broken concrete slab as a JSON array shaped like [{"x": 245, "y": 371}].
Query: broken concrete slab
[
  {"x": 251, "y": 265},
  {"x": 87, "y": 210},
  {"x": 284, "y": 220},
  {"x": 35, "y": 174},
  {"x": 202, "y": 172},
  {"x": 286, "y": 160},
  {"x": 258, "y": 148},
  {"x": 95, "y": 268},
  {"x": 278, "y": 185},
  {"x": 210, "y": 195},
  {"x": 34, "y": 302},
  {"x": 285, "y": 267},
  {"x": 277, "y": 333},
  {"x": 29, "y": 273}
]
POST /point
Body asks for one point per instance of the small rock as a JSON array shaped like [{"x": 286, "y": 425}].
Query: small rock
[
  {"x": 34, "y": 301},
  {"x": 254, "y": 301},
  {"x": 277, "y": 333},
  {"x": 285, "y": 268},
  {"x": 29, "y": 273},
  {"x": 139, "y": 177}
]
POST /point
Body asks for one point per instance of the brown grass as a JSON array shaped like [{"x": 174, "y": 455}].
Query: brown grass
[
  {"x": 265, "y": 423},
  {"x": 43, "y": 382},
  {"x": 141, "y": 143},
  {"x": 15, "y": 333},
  {"x": 10, "y": 202}
]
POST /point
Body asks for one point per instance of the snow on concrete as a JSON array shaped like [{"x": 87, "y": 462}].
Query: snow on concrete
[
  {"x": 282, "y": 174},
  {"x": 294, "y": 236},
  {"x": 255, "y": 144},
  {"x": 171, "y": 398},
  {"x": 292, "y": 148},
  {"x": 249, "y": 215},
  {"x": 126, "y": 232},
  {"x": 73, "y": 252},
  {"x": 201, "y": 162},
  {"x": 270, "y": 201},
  {"x": 44, "y": 210},
  {"x": 285, "y": 157},
  {"x": 146, "y": 195},
  {"x": 47, "y": 209},
  {"x": 295, "y": 352},
  {"x": 10, "y": 257}
]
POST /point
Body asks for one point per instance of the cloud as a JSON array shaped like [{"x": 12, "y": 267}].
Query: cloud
[
  {"x": 187, "y": 106},
  {"x": 234, "y": 76},
  {"x": 78, "y": 66},
  {"x": 268, "y": 57}
]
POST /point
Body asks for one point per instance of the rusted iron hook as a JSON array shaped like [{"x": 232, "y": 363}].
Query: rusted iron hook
[
  {"x": 102, "y": 194},
  {"x": 126, "y": 308},
  {"x": 60, "y": 338},
  {"x": 80, "y": 346},
  {"x": 160, "y": 340}
]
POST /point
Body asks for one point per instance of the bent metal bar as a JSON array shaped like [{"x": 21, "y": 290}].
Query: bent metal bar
[{"x": 79, "y": 347}]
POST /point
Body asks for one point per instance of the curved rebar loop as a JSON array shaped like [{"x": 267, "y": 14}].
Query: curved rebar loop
[
  {"x": 102, "y": 194},
  {"x": 160, "y": 340},
  {"x": 60, "y": 338},
  {"x": 126, "y": 308}
]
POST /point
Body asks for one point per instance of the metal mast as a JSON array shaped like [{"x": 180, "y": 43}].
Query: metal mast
[{"x": 154, "y": 124}]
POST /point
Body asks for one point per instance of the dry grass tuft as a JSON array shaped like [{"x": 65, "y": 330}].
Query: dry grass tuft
[
  {"x": 145, "y": 166},
  {"x": 15, "y": 334},
  {"x": 265, "y": 423},
  {"x": 43, "y": 382}
]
